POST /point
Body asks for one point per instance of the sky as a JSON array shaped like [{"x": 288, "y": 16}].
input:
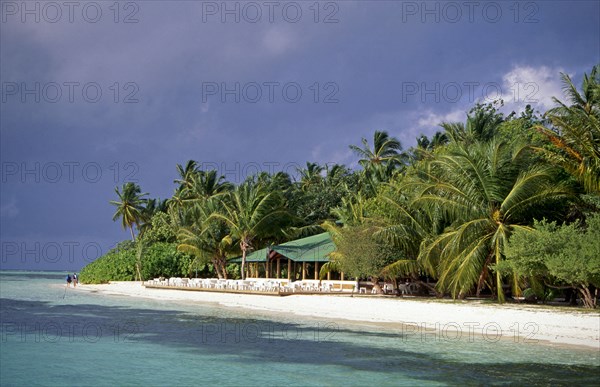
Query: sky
[{"x": 95, "y": 94}]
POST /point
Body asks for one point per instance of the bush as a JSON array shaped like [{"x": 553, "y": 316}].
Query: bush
[
  {"x": 163, "y": 260},
  {"x": 158, "y": 260},
  {"x": 117, "y": 265}
]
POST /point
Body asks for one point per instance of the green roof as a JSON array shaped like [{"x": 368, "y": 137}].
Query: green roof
[
  {"x": 314, "y": 248},
  {"x": 255, "y": 256}
]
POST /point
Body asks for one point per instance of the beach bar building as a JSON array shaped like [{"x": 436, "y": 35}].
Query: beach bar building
[{"x": 300, "y": 259}]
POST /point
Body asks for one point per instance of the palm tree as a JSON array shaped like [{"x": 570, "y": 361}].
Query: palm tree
[
  {"x": 251, "y": 212},
  {"x": 334, "y": 174},
  {"x": 439, "y": 139},
  {"x": 404, "y": 226},
  {"x": 311, "y": 175},
  {"x": 426, "y": 146},
  {"x": 207, "y": 241},
  {"x": 483, "y": 191},
  {"x": 482, "y": 125},
  {"x": 352, "y": 210},
  {"x": 587, "y": 102},
  {"x": 205, "y": 184},
  {"x": 386, "y": 150},
  {"x": 576, "y": 140},
  {"x": 186, "y": 173},
  {"x": 197, "y": 187},
  {"x": 176, "y": 203},
  {"x": 130, "y": 205}
]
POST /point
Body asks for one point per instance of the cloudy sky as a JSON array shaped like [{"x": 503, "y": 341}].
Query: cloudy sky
[{"x": 98, "y": 93}]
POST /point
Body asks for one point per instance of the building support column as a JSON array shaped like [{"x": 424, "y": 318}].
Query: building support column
[
  {"x": 289, "y": 269},
  {"x": 316, "y": 270},
  {"x": 278, "y": 268},
  {"x": 303, "y": 271}
]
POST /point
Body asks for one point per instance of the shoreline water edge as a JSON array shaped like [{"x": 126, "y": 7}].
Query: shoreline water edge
[{"x": 441, "y": 320}]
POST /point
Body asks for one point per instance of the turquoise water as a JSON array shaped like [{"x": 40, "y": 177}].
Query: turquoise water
[{"x": 55, "y": 337}]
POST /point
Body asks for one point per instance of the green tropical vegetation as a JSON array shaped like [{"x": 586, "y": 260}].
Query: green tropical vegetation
[
  {"x": 499, "y": 206},
  {"x": 558, "y": 256}
]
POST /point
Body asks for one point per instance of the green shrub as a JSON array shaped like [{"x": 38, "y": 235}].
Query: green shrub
[
  {"x": 117, "y": 265},
  {"x": 159, "y": 259}
]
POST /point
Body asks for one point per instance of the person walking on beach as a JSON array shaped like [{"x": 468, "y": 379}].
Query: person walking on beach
[
  {"x": 75, "y": 280},
  {"x": 68, "y": 280}
]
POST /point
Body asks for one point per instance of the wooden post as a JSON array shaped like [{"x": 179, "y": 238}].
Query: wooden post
[
  {"x": 268, "y": 269},
  {"x": 289, "y": 269},
  {"x": 278, "y": 267},
  {"x": 342, "y": 276},
  {"x": 329, "y": 275},
  {"x": 316, "y": 270},
  {"x": 303, "y": 271}
]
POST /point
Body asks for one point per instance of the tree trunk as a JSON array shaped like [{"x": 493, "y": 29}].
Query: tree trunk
[
  {"x": 588, "y": 300},
  {"x": 224, "y": 266},
  {"x": 484, "y": 274},
  {"x": 132, "y": 235},
  {"x": 138, "y": 261},
  {"x": 220, "y": 264},
  {"x": 217, "y": 266},
  {"x": 243, "y": 262}
]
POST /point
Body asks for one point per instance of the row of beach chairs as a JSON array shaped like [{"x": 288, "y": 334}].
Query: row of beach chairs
[{"x": 258, "y": 284}]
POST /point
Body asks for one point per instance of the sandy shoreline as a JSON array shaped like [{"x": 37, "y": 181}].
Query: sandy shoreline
[{"x": 448, "y": 320}]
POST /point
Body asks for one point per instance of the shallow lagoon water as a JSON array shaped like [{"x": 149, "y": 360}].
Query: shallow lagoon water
[{"x": 55, "y": 337}]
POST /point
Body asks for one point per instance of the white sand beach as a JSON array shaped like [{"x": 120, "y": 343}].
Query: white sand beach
[{"x": 444, "y": 319}]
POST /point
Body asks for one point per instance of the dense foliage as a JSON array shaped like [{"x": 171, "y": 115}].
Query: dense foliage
[
  {"x": 119, "y": 264},
  {"x": 565, "y": 255},
  {"x": 443, "y": 214}
]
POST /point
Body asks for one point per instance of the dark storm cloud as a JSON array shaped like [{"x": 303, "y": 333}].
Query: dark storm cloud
[{"x": 178, "y": 83}]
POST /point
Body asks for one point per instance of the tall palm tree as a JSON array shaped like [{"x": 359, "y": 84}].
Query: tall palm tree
[
  {"x": 130, "y": 205},
  {"x": 484, "y": 191},
  {"x": 207, "y": 241},
  {"x": 386, "y": 150},
  {"x": 205, "y": 184},
  {"x": 576, "y": 137},
  {"x": 404, "y": 226},
  {"x": 197, "y": 187},
  {"x": 176, "y": 203},
  {"x": 251, "y": 212}
]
